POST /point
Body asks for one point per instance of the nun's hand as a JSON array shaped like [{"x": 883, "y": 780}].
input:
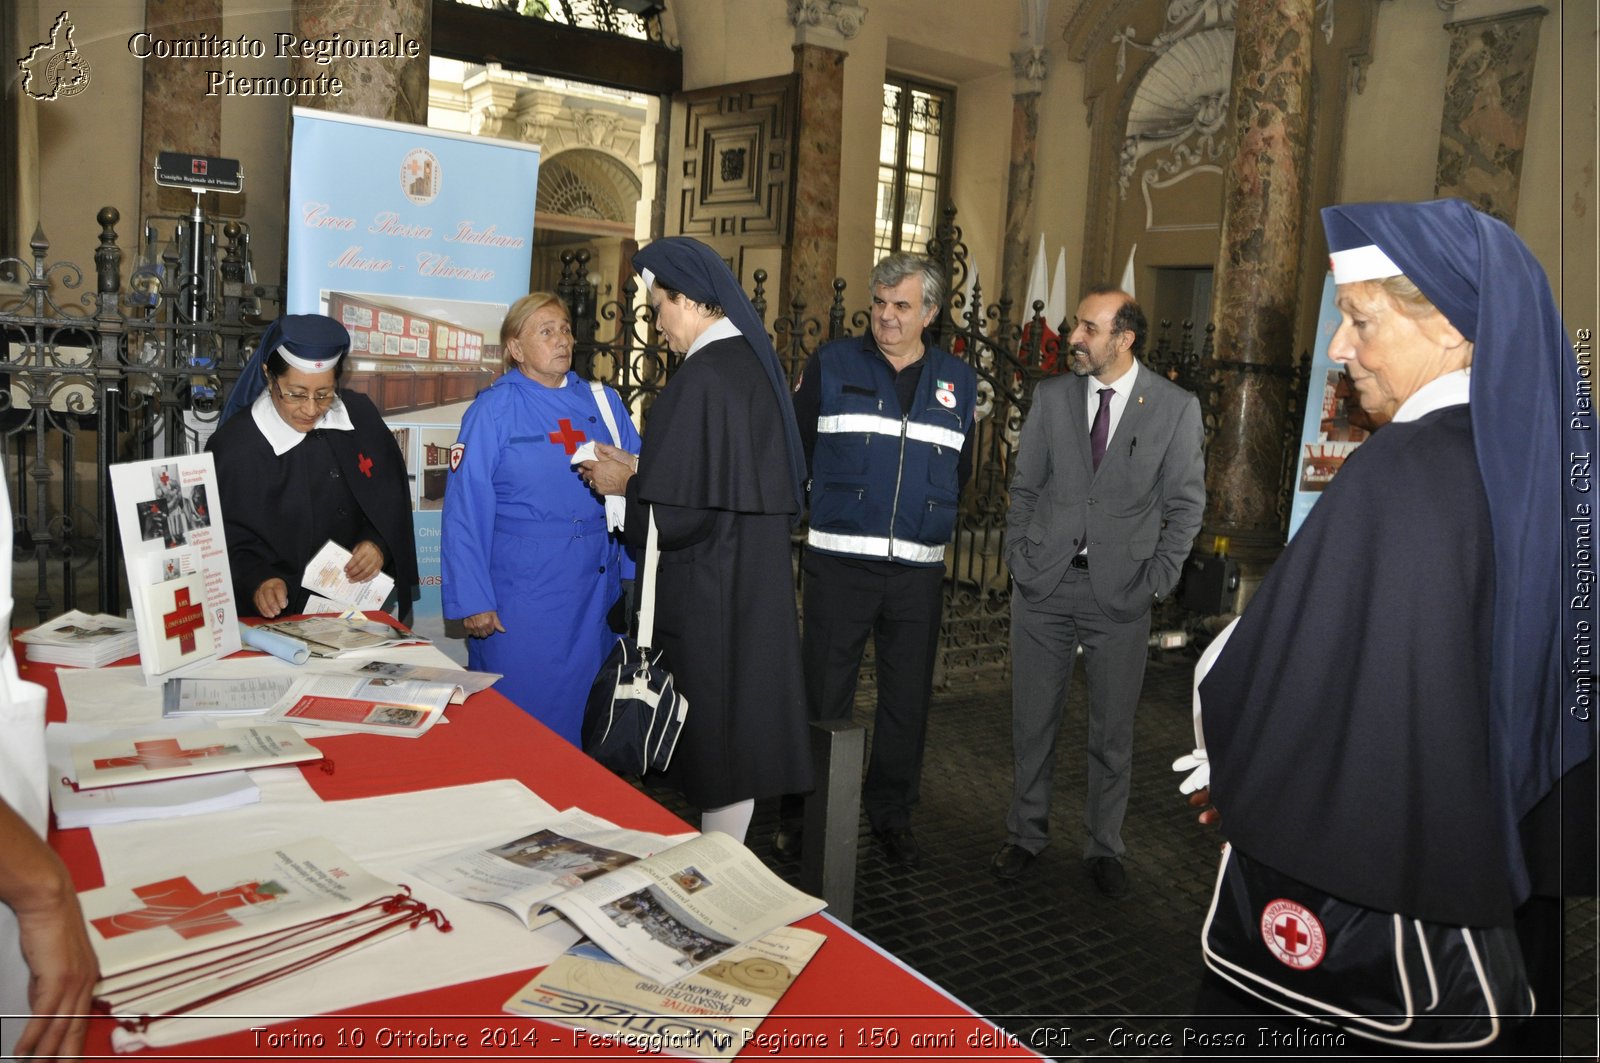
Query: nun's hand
[
  {"x": 482, "y": 625},
  {"x": 611, "y": 470},
  {"x": 366, "y": 561},
  {"x": 271, "y": 597}
]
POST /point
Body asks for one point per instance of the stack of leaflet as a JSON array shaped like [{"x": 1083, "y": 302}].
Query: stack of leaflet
[
  {"x": 122, "y": 804},
  {"x": 202, "y": 939},
  {"x": 82, "y": 640}
]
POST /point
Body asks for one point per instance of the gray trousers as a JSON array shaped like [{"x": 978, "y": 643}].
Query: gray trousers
[{"x": 1045, "y": 637}]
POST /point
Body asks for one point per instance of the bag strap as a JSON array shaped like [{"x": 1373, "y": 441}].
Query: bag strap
[
  {"x": 647, "y": 585},
  {"x": 599, "y": 390}
]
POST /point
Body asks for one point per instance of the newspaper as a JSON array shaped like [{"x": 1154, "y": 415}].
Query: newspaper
[
  {"x": 711, "y": 1014},
  {"x": 523, "y": 873},
  {"x": 679, "y": 911}
]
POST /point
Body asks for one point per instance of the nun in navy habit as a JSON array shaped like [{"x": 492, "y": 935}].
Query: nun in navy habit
[
  {"x": 722, "y": 469},
  {"x": 301, "y": 462},
  {"x": 1393, "y": 717}
]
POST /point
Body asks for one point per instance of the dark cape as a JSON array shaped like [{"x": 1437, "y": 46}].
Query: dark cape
[
  {"x": 715, "y": 468},
  {"x": 1347, "y": 721},
  {"x": 278, "y": 511}
]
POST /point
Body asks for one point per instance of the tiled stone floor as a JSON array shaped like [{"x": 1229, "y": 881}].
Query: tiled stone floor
[{"x": 1048, "y": 954}]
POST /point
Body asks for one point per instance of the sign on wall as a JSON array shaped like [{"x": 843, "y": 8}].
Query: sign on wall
[{"x": 417, "y": 240}]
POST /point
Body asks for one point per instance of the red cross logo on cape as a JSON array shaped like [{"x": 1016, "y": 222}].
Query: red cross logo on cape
[{"x": 364, "y": 463}]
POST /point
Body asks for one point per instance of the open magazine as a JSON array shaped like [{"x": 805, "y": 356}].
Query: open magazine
[
  {"x": 666, "y": 915},
  {"x": 711, "y": 1014},
  {"x": 334, "y": 636},
  {"x": 524, "y": 873}
]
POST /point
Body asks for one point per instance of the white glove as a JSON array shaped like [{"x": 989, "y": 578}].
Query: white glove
[{"x": 1199, "y": 769}]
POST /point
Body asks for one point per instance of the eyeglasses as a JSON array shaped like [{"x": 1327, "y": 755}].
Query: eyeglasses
[{"x": 321, "y": 399}]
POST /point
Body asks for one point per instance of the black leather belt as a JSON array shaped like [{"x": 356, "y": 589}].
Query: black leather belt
[{"x": 1080, "y": 561}]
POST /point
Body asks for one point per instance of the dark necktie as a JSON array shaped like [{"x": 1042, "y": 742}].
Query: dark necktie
[{"x": 1100, "y": 431}]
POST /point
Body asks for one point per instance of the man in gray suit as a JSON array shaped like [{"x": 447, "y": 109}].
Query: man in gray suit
[{"x": 1106, "y": 501}]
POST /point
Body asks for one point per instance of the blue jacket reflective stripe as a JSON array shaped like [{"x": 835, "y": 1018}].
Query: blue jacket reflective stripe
[{"x": 884, "y": 485}]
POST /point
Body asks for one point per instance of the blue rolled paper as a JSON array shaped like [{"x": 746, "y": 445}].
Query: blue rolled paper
[{"x": 280, "y": 646}]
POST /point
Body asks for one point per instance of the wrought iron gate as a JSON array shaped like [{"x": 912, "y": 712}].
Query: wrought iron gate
[{"x": 127, "y": 371}]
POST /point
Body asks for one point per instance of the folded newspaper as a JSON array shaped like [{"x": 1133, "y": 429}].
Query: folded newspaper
[
  {"x": 712, "y": 1014},
  {"x": 665, "y": 915}
]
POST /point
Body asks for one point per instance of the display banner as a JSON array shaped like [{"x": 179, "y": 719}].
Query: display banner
[
  {"x": 1335, "y": 424},
  {"x": 417, "y": 240}
]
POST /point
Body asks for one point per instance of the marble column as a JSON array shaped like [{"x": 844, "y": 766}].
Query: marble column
[
  {"x": 811, "y": 258},
  {"x": 394, "y": 89},
  {"x": 1029, "y": 68},
  {"x": 1486, "y": 93},
  {"x": 176, "y": 113},
  {"x": 1257, "y": 277}
]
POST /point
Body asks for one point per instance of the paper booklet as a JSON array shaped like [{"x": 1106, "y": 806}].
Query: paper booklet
[
  {"x": 112, "y": 762},
  {"x": 332, "y": 636},
  {"x": 666, "y": 915},
  {"x": 523, "y": 873},
  {"x": 170, "y": 519},
  {"x": 124, "y": 804},
  {"x": 81, "y": 640},
  {"x": 711, "y": 1014},
  {"x": 206, "y": 935},
  {"x": 324, "y": 577},
  {"x": 352, "y": 701}
]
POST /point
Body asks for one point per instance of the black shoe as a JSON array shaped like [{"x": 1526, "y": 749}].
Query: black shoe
[
  {"x": 1011, "y": 861},
  {"x": 1109, "y": 876},
  {"x": 900, "y": 845},
  {"x": 787, "y": 842}
]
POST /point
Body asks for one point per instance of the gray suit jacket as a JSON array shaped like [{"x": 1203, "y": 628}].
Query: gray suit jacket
[{"x": 1139, "y": 513}]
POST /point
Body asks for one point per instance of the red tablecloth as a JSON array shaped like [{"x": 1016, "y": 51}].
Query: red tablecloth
[{"x": 853, "y": 1001}]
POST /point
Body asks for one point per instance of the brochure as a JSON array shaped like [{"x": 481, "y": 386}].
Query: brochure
[{"x": 112, "y": 762}]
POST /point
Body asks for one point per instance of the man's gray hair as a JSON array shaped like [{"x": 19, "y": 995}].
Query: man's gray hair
[{"x": 902, "y": 264}]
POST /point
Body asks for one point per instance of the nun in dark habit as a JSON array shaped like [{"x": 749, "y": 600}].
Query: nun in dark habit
[
  {"x": 1402, "y": 717},
  {"x": 722, "y": 468},
  {"x": 306, "y": 463}
]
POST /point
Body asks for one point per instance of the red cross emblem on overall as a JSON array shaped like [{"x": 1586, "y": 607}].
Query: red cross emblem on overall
[
  {"x": 185, "y": 619},
  {"x": 365, "y": 465},
  {"x": 568, "y": 438}
]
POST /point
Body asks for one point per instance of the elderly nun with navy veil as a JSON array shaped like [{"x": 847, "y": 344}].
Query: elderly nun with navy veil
[
  {"x": 722, "y": 471},
  {"x": 1396, "y": 720},
  {"x": 300, "y": 462}
]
